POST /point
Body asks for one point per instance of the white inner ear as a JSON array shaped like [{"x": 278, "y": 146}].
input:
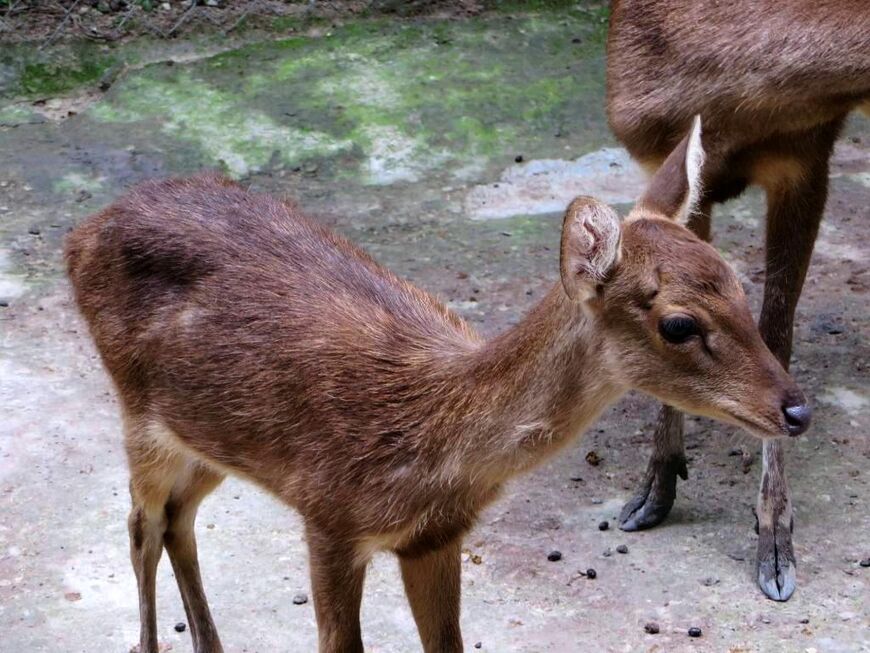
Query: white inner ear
[{"x": 694, "y": 164}]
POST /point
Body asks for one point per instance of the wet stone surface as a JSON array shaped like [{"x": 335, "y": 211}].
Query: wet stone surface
[{"x": 445, "y": 148}]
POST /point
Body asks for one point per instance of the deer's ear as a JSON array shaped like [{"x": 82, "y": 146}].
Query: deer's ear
[
  {"x": 590, "y": 246},
  {"x": 675, "y": 188}
]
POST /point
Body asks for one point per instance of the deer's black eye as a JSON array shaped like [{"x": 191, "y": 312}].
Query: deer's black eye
[{"x": 678, "y": 328}]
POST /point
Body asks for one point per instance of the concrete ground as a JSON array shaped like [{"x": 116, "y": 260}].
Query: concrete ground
[{"x": 446, "y": 148}]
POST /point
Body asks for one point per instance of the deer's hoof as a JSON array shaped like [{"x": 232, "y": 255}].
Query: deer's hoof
[
  {"x": 643, "y": 511},
  {"x": 656, "y": 498},
  {"x": 777, "y": 580},
  {"x": 776, "y": 565}
]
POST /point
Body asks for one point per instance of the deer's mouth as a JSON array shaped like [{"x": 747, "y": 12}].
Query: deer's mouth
[{"x": 762, "y": 428}]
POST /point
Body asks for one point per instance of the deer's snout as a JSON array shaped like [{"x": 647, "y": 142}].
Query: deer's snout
[{"x": 798, "y": 414}]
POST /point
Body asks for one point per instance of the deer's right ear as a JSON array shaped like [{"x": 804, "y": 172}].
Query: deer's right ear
[
  {"x": 590, "y": 248},
  {"x": 675, "y": 188}
]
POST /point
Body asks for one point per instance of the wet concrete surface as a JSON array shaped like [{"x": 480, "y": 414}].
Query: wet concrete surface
[{"x": 444, "y": 148}]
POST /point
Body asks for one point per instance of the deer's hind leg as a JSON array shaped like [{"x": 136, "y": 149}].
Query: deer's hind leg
[
  {"x": 166, "y": 487},
  {"x": 195, "y": 483},
  {"x": 154, "y": 468}
]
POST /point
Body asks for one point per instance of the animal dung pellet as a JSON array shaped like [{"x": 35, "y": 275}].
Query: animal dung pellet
[{"x": 554, "y": 556}]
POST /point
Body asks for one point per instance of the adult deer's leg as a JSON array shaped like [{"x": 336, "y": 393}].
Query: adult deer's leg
[
  {"x": 795, "y": 207},
  {"x": 180, "y": 541},
  {"x": 659, "y": 488},
  {"x": 433, "y": 589},
  {"x": 337, "y": 578}
]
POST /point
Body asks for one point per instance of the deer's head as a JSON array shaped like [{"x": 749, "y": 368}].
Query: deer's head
[{"x": 672, "y": 313}]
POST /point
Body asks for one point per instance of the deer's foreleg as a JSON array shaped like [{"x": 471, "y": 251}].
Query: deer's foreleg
[{"x": 795, "y": 208}]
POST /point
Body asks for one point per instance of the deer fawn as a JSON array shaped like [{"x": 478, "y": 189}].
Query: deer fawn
[
  {"x": 774, "y": 82},
  {"x": 244, "y": 338}
]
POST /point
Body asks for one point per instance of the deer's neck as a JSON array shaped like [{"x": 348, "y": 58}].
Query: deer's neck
[{"x": 537, "y": 386}]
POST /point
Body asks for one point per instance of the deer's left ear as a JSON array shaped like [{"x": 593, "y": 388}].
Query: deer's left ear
[
  {"x": 591, "y": 240},
  {"x": 675, "y": 188}
]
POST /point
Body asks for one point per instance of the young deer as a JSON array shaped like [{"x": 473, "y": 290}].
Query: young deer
[
  {"x": 244, "y": 338},
  {"x": 774, "y": 82}
]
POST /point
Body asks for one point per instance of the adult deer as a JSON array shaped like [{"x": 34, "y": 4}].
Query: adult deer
[
  {"x": 244, "y": 338},
  {"x": 774, "y": 82}
]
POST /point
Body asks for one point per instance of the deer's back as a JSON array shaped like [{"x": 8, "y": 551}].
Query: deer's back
[
  {"x": 751, "y": 68},
  {"x": 250, "y": 331}
]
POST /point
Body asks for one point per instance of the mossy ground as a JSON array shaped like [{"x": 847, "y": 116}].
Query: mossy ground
[{"x": 378, "y": 101}]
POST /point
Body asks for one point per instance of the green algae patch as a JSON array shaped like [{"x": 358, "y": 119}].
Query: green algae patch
[
  {"x": 218, "y": 123},
  {"x": 14, "y": 115},
  {"x": 78, "y": 181},
  {"x": 380, "y": 102},
  {"x": 32, "y": 72}
]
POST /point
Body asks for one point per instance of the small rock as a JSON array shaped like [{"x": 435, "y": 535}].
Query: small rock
[
  {"x": 607, "y": 552},
  {"x": 576, "y": 479},
  {"x": 709, "y": 581},
  {"x": 596, "y": 501},
  {"x": 180, "y": 627},
  {"x": 652, "y": 628},
  {"x": 4, "y": 303},
  {"x": 33, "y": 231},
  {"x": 554, "y": 556},
  {"x": 476, "y": 559},
  {"x": 865, "y": 562},
  {"x": 300, "y": 599},
  {"x": 591, "y": 574},
  {"x": 736, "y": 451},
  {"x": 593, "y": 458},
  {"x": 576, "y": 39},
  {"x": 694, "y": 631},
  {"x": 478, "y": 644},
  {"x": 805, "y": 620},
  {"x": 73, "y": 596},
  {"x": 622, "y": 548},
  {"x": 518, "y": 158},
  {"x": 603, "y": 526}
]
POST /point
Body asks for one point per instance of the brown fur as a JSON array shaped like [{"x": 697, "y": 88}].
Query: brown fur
[
  {"x": 773, "y": 82},
  {"x": 245, "y": 338}
]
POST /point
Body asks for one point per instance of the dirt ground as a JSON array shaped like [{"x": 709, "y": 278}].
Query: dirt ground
[{"x": 446, "y": 148}]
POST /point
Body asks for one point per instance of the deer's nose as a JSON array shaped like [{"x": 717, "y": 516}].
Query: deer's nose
[{"x": 797, "y": 417}]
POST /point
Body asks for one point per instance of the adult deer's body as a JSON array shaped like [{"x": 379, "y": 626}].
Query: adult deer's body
[
  {"x": 244, "y": 338},
  {"x": 774, "y": 82}
]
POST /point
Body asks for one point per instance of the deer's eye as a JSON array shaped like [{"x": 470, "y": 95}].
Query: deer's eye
[{"x": 678, "y": 329}]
